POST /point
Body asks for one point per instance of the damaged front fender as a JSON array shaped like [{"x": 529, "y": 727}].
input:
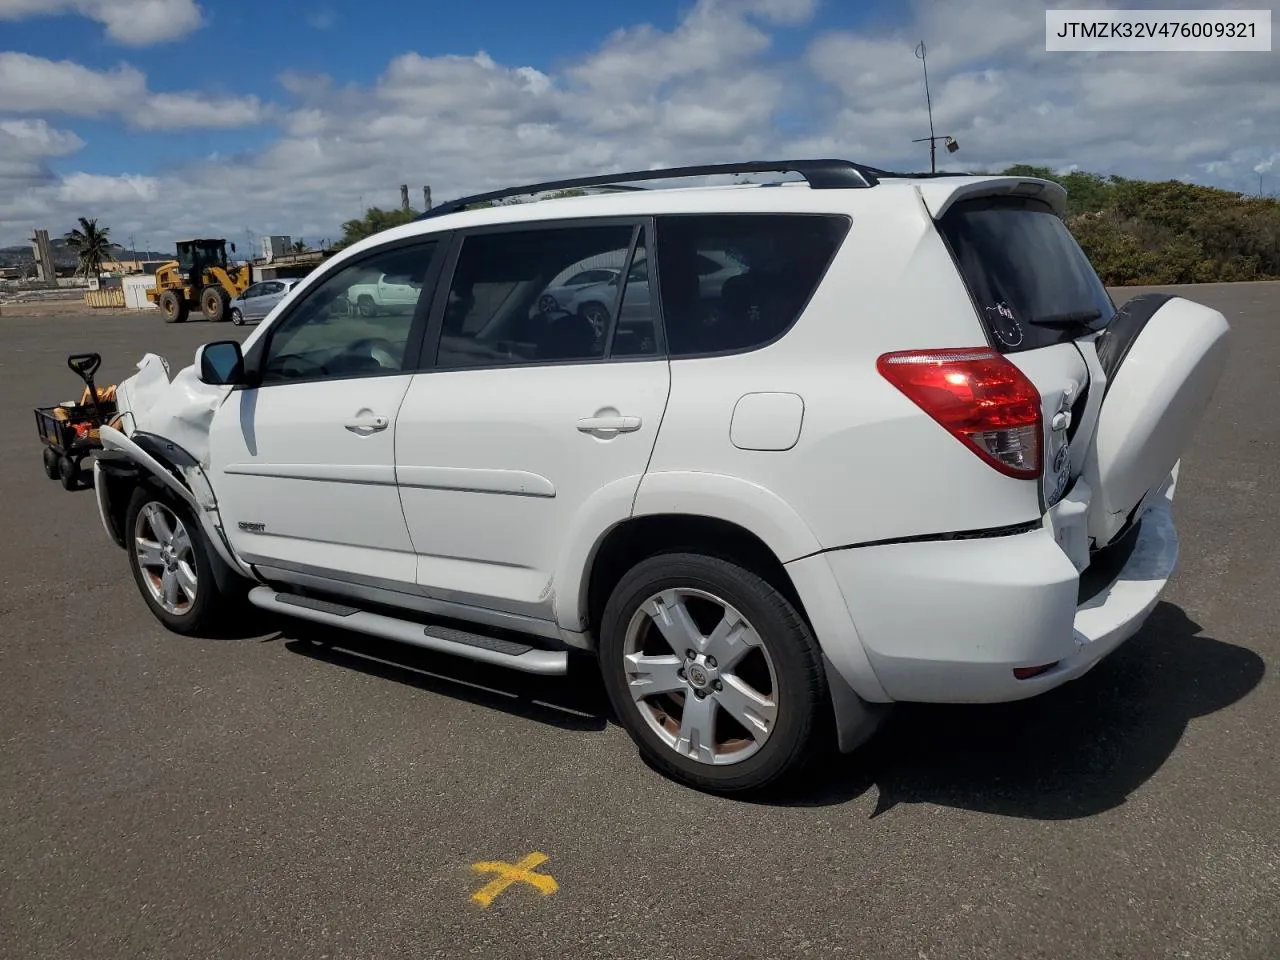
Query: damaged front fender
[
  {"x": 179, "y": 410},
  {"x": 181, "y": 475},
  {"x": 163, "y": 429}
]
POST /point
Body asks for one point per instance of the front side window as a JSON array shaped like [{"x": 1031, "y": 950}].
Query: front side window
[
  {"x": 326, "y": 336},
  {"x": 508, "y": 305},
  {"x": 738, "y": 281}
]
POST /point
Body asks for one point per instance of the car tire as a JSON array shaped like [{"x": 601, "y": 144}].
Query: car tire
[
  {"x": 365, "y": 306},
  {"x": 706, "y": 751},
  {"x": 196, "y": 602},
  {"x": 237, "y": 317}
]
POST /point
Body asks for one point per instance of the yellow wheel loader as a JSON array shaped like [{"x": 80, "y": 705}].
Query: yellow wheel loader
[{"x": 199, "y": 278}]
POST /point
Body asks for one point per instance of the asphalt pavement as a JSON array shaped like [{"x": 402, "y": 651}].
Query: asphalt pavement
[{"x": 261, "y": 795}]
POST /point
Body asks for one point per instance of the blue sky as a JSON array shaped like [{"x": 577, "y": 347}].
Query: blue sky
[
  {"x": 352, "y": 42},
  {"x": 166, "y": 115}
]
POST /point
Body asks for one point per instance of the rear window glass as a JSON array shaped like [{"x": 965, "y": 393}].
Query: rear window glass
[
  {"x": 1031, "y": 283},
  {"x": 737, "y": 281}
]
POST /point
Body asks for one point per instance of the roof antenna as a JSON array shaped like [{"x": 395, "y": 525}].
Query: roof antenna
[{"x": 952, "y": 146}]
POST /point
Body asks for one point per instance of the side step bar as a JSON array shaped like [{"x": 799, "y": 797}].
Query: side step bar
[{"x": 460, "y": 643}]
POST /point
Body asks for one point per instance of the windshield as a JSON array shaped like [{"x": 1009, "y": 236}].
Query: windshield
[{"x": 1029, "y": 279}]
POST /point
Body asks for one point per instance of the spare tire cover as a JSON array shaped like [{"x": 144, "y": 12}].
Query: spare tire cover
[{"x": 1165, "y": 357}]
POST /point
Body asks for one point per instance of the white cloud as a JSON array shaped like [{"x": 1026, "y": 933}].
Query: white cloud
[
  {"x": 35, "y": 85},
  {"x": 35, "y": 138},
  {"x": 322, "y": 19},
  {"x": 713, "y": 88},
  {"x": 134, "y": 23},
  {"x": 93, "y": 190},
  {"x": 171, "y": 111}
]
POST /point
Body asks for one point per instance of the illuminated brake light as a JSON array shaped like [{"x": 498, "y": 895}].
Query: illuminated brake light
[{"x": 981, "y": 399}]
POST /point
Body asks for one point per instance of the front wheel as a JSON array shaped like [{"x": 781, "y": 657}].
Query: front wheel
[
  {"x": 214, "y": 303},
  {"x": 171, "y": 562},
  {"x": 597, "y": 314},
  {"x": 173, "y": 306},
  {"x": 237, "y": 318},
  {"x": 713, "y": 672},
  {"x": 69, "y": 473}
]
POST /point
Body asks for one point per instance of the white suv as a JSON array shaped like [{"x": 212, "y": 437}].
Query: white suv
[{"x": 908, "y": 451}]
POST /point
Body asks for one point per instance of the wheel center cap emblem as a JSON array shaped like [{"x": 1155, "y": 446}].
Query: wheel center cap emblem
[{"x": 698, "y": 676}]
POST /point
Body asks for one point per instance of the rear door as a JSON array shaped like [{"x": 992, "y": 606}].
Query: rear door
[
  {"x": 1113, "y": 431},
  {"x": 534, "y": 429}
]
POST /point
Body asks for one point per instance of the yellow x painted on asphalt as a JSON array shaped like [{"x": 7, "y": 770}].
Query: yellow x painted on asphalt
[{"x": 512, "y": 873}]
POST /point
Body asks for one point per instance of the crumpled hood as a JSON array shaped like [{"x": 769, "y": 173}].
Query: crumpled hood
[{"x": 180, "y": 410}]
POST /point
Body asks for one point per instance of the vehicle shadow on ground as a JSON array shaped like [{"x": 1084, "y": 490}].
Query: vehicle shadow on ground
[
  {"x": 574, "y": 702},
  {"x": 1074, "y": 752}
]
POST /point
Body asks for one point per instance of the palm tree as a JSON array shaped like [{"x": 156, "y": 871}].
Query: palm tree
[
  {"x": 299, "y": 246},
  {"x": 92, "y": 245}
]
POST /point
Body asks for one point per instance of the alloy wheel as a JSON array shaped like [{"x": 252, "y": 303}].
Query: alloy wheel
[
  {"x": 166, "y": 558},
  {"x": 701, "y": 676}
]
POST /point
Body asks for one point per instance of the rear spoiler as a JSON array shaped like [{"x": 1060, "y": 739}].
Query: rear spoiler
[{"x": 939, "y": 195}]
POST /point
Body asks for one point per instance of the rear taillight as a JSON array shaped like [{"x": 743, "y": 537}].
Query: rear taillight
[{"x": 980, "y": 398}]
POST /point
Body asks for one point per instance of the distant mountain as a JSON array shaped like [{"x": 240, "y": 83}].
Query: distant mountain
[{"x": 64, "y": 256}]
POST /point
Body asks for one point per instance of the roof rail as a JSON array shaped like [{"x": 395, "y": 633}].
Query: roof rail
[
  {"x": 912, "y": 175},
  {"x": 820, "y": 175}
]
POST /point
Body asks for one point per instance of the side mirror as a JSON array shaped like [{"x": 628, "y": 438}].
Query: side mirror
[{"x": 220, "y": 364}]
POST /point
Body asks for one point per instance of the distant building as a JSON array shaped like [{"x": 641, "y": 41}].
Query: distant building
[
  {"x": 276, "y": 246},
  {"x": 127, "y": 267}
]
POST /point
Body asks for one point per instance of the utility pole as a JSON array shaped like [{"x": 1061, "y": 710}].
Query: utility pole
[
  {"x": 426, "y": 199},
  {"x": 404, "y": 197},
  {"x": 933, "y": 138}
]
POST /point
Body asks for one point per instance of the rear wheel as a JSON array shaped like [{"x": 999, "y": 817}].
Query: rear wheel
[
  {"x": 237, "y": 318},
  {"x": 173, "y": 306},
  {"x": 365, "y": 306},
  {"x": 171, "y": 562},
  {"x": 713, "y": 672},
  {"x": 50, "y": 458},
  {"x": 214, "y": 304}
]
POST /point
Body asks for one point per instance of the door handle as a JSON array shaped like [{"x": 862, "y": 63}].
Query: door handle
[
  {"x": 364, "y": 426},
  {"x": 609, "y": 425}
]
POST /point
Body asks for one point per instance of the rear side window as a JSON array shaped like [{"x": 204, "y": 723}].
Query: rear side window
[
  {"x": 508, "y": 303},
  {"x": 736, "y": 282},
  {"x": 1030, "y": 282}
]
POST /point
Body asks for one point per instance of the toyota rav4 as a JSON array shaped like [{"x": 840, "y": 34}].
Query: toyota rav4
[{"x": 905, "y": 448}]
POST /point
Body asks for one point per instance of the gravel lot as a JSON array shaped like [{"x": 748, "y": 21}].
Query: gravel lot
[{"x": 263, "y": 796}]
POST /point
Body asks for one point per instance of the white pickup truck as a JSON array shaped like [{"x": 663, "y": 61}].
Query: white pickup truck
[{"x": 385, "y": 295}]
